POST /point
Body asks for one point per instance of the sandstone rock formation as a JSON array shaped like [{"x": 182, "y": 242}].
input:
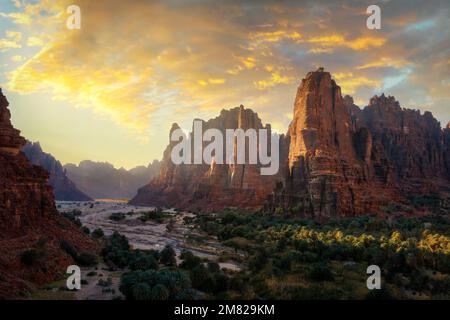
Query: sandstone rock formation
[
  {"x": 28, "y": 218},
  {"x": 215, "y": 186},
  {"x": 336, "y": 159},
  {"x": 63, "y": 188},
  {"x": 329, "y": 159},
  {"x": 101, "y": 180}
]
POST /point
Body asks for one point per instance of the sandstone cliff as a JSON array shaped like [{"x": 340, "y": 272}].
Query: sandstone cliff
[
  {"x": 210, "y": 187},
  {"x": 28, "y": 218},
  {"x": 336, "y": 159},
  {"x": 329, "y": 158},
  {"x": 63, "y": 188}
]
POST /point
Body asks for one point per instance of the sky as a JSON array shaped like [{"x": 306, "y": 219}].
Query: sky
[{"x": 111, "y": 90}]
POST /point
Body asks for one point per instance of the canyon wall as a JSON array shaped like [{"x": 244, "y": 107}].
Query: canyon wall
[
  {"x": 215, "y": 186},
  {"x": 335, "y": 160},
  {"x": 28, "y": 218}
]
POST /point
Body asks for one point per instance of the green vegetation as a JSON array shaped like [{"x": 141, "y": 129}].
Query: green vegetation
[
  {"x": 29, "y": 257},
  {"x": 117, "y": 216},
  {"x": 85, "y": 259},
  {"x": 157, "y": 215},
  {"x": 301, "y": 259}
]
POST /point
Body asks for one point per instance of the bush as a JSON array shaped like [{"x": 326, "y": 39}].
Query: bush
[
  {"x": 176, "y": 282},
  {"x": 159, "y": 292},
  {"x": 142, "y": 291},
  {"x": 189, "y": 260},
  {"x": 144, "y": 262},
  {"x": 117, "y": 216},
  {"x": 69, "y": 249},
  {"x": 321, "y": 272},
  {"x": 98, "y": 233},
  {"x": 213, "y": 267},
  {"x": 167, "y": 256},
  {"x": 29, "y": 257},
  {"x": 87, "y": 259}
]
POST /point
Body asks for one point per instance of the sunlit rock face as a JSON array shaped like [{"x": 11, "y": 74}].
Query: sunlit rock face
[
  {"x": 329, "y": 157},
  {"x": 336, "y": 159},
  {"x": 28, "y": 217},
  {"x": 344, "y": 161},
  {"x": 216, "y": 186}
]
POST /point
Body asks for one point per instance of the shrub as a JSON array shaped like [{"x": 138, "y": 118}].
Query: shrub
[
  {"x": 213, "y": 267},
  {"x": 189, "y": 260},
  {"x": 167, "y": 256},
  {"x": 29, "y": 257},
  {"x": 159, "y": 292},
  {"x": 142, "y": 291},
  {"x": 117, "y": 216},
  {"x": 69, "y": 249},
  {"x": 144, "y": 262},
  {"x": 87, "y": 259},
  {"x": 321, "y": 272},
  {"x": 98, "y": 233}
]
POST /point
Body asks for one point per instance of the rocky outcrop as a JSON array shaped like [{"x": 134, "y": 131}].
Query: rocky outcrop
[
  {"x": 64, "y": 189},
  {"x": 211, "y": 187},
  {"x": 336, "y": 159},
  {"x": 407, "y": 145},
  {"x": 28, "y": 218},
  {"x": 101, "y": 180},
  {"x": 329, "y": 157}
]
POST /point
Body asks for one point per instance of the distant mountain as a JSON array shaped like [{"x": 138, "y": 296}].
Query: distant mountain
[
  {"x": 63, "y": 188},
  {"x": 102, "y": 180}
]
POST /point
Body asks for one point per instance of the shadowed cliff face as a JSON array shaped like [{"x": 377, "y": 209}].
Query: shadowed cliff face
[
  {"x": 211, "y": 187},
  {"x": 336, "y": 159},
  {"x": 28, "y": 217},
  {"x": 64, "y": 189}
]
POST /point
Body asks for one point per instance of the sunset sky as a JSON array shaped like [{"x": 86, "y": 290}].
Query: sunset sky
[{"x": 110, "y": 91}]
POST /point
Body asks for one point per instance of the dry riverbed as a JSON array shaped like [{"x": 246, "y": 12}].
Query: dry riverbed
[{"x": 141, "y": 235}]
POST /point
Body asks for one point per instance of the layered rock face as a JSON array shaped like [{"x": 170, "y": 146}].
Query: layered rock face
[
  {"x": 64, "y": 189},
  {"x": 28, "y": 217},
  {"x": 210, "y": 187},
  {"x": 336, "y": 159},
  {"x": 101, "y": 180},
  {"x": 408, "y": 147},
  {"x": 329, "y": 159}
]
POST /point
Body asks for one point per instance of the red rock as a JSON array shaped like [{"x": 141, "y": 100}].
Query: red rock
[
  {"x": 210, "y": 187},
  {"x": 28, "y": 217},
  {"x": 336, "y": 159}
]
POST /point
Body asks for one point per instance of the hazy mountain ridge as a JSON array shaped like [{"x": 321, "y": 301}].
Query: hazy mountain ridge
[
  {"x": 63, "y": 188},
  {"x": 103, "y": 180}
]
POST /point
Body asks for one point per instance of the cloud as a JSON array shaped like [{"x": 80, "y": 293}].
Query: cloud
[
  {"x": 176, "y": 60},
  {"x": 35, "y": 42},
  {"x": 16, "y": 58},
  {"x": 11, "y": 41}
]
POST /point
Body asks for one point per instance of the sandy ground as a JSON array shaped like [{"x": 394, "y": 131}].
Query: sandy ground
[
  {"x": 141, "y": 235},
  {"x": 146, "y": 235}
]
